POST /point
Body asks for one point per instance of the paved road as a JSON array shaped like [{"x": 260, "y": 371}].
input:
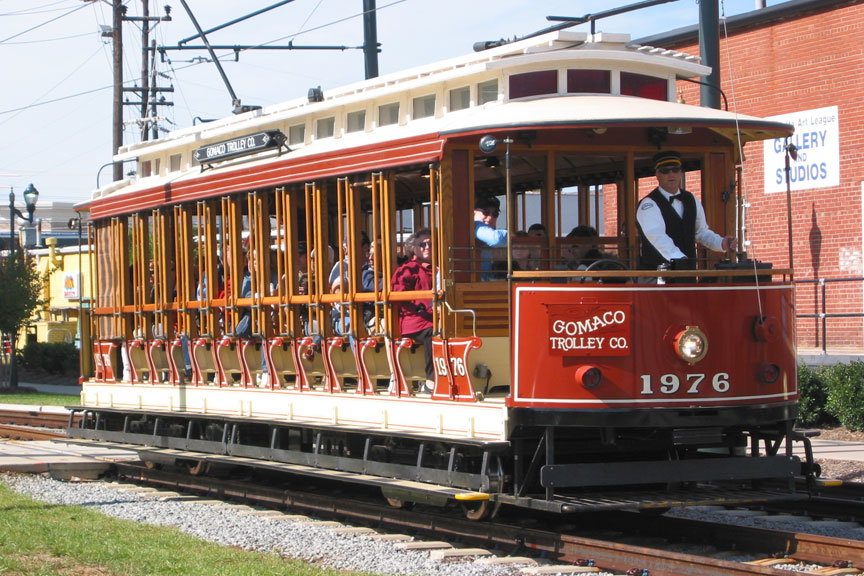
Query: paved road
[{"x": 53, "y": 388}]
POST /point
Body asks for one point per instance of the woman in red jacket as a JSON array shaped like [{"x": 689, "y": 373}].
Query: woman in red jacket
[{"x": 415, "y": 316}]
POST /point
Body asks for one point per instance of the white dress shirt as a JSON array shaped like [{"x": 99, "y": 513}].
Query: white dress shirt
[{"x": 654, "y": 227}]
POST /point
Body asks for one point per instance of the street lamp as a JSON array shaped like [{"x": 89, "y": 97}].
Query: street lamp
[{"x": 31, "y": 195}]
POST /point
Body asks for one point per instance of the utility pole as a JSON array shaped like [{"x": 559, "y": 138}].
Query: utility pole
[
  {"x": 709, "y": 51},
  {"x": 370, "y": 38},
  {"x": 153, "y": 91},
  {"x": 117, "y": 40},
  {"x": 145, "y": 62},
  {"x": 148, "y": 90}
]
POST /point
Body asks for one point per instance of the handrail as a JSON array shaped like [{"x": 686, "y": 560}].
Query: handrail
[
  {"x": 464, "y": 311},
  {"x": 824, "y": 315}
]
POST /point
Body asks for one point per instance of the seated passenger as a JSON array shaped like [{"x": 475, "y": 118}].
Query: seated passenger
[
  {"x": 539, "y": 253},
  {"x": 526, "y": 256},
  {"x": 537, "y": 230},
  {"x": 369, "y": 277},
  {"x": 415, "y": 317},
  {"x": 339, "y": 313},
  {"x": 364, "y": 254},
  {"x": 583, "y": 253}
]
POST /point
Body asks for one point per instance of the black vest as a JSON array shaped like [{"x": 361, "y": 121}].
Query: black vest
[{"x": 682, "y": 230}]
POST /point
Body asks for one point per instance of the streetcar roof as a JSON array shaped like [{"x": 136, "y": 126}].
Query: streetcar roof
[
  {"x": 600, "y": 51},
  {"x": 560, "y": 51},
  {"x": 613, "y": 111}
]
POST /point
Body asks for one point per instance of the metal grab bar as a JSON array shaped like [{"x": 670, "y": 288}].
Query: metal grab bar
[{"x": 464, "y": 311}]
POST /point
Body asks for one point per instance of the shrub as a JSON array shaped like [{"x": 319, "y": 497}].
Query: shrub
[
  {"x": 812, "y": 397},
  {"x": 845, "y": 387},
  {"x": 54, "y": 358}
]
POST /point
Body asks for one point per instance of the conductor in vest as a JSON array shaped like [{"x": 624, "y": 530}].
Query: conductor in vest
[{"x": 671, "y": 220}]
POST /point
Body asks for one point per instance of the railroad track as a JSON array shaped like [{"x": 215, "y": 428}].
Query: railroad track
[
  {"x": 33, "y": 424},
  {"x": 615, "y": 553},
  {"x": 821, "y": 506},
  {"x": 630, "y": 544},
  {"x": 16, "y": 432},
  {"x": 843, "y": 502},
  {"x": 42, "y": 416}
]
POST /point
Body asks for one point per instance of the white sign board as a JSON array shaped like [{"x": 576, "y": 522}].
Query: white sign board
[{"x": 817, "y": 137}]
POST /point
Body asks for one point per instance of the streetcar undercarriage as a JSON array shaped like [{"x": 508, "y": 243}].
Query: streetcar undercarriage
[{"x": 548, "y": 468}]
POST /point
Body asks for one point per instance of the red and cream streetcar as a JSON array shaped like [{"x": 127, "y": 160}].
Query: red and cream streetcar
[{"x": 556, "y": 387}]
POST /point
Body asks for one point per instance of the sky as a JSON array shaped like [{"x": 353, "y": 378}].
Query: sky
[{"x": 56, "y": 97}]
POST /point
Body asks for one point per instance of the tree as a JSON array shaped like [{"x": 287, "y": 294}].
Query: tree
[{"x": 20, "y": 297}]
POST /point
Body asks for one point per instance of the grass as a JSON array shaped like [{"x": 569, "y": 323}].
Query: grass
[
  {"x": 40, "y": 399},
  {"x": 49, "y": 540}
]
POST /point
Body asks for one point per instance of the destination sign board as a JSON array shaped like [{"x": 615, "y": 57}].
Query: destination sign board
[{"x": 240, "y": 146}]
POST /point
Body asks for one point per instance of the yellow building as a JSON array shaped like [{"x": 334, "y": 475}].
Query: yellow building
[{"x": 67, "y": 291}]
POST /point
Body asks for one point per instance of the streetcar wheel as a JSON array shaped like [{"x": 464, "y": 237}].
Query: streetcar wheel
[
  {"x": 397, "y": 503},
  {"x": 198, "y": 468},
  {"x": 477, "y": 510}
]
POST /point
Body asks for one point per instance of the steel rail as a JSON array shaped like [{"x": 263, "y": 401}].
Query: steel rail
[
  {"x": 516, "y": 539},
  {"x": 35, "y": 417},
  {"x": 21, "y": 432},
  {"x": 839, "y": 508}
]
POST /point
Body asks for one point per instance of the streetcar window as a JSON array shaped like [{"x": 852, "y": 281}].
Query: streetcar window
[
  {"x": 325, "y": 127},
  {"x": 174, "y": 163},
  {"x": 487, "y": 91},
  {"x": 533, "y": 84},
  {"x": 589, "y": 81},
  {"x": 460, "y": 98},
  {"x": 388, "y": 114},
  {"x": 424, "y": 106},
  {"x": 297, "y": 134},
  {"x": 644, "y": 86},
  {"x": 356, "y": 121}
]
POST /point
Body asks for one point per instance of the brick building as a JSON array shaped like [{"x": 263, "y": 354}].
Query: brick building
[{"x": 802, "y": 60}]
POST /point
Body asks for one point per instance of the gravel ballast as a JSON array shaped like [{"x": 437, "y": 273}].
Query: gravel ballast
[
  {"x": 231, "y": 527},
  {"x": 318, "y": 544}
]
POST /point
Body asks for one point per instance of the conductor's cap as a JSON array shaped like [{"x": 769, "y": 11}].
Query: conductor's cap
[{"x": 667, "y": 158}]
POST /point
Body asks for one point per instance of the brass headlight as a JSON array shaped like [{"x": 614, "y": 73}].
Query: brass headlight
[{"x": 691, "y": 344}]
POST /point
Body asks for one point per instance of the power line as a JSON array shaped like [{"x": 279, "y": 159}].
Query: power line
[
  {"x": 36, "y": 9},
  {"x": 36, "y": 103},
  {"x": 237, "y": 50},
  {"x": 42, "y": 24},
  {"x": 327, "y": 25},
  {"x": 49, "y": 39},
  {"x": 69, "y": 97}
]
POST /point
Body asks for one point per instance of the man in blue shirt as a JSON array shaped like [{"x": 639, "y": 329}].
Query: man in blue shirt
[{"x": 486, "y": 211}]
